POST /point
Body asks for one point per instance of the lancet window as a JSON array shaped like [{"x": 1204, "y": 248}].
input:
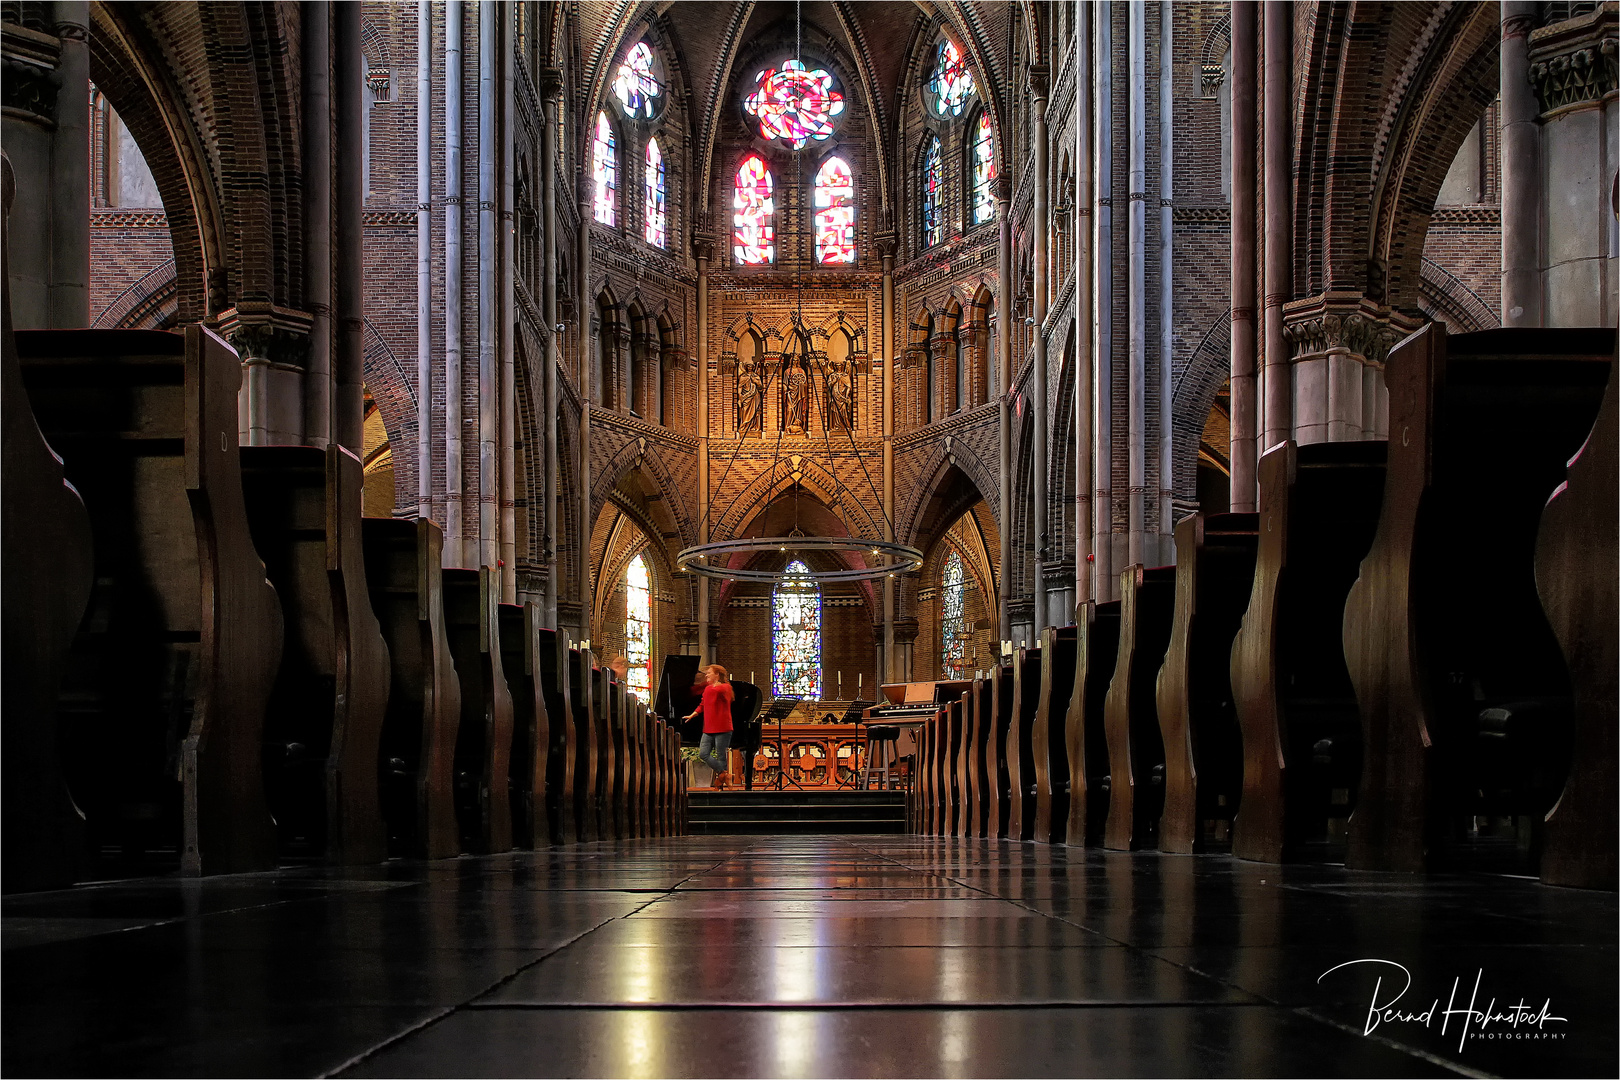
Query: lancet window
[
  {"x": 952, "y": 624},
  {"x": 638, "y": 627},
  {"x": 796, "y": 634},
  {"x": 835, "y": 213},
  {"x": 652, "y": 226},
  {"x": 982, "y": 166},
  {"x": 933, "y": 180},
  {"x": 753, "y": 213},
  {"x": 605, "y": 172}
]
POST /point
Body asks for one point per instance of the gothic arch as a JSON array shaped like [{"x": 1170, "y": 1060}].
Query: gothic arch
[{"x": 1194, "y": 395}]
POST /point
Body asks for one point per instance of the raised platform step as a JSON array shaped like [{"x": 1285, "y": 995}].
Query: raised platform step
[{"x": 796, "y": 812}]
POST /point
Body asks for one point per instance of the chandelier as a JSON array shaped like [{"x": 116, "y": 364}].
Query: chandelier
[{"x": 858, "y": 558}]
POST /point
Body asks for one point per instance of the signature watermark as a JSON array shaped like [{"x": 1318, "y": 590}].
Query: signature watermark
[{"x": 1519, "y": 1020}]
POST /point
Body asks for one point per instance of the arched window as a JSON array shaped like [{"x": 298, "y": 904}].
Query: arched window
[
  {"x": 982, "y": 168},
  {"x": 605, "y": 171},
  {"x": 753, "y": 213},
  {"x": 933, "y": 179},
  {"x": 638, "y": 628},
  {"x": 652, "y": 225},
  {"x": 636, "y": 83},
  {"x": 835, "y": 213},
  {"x": 951, "y": 83},
  {"x": 952, "y": 626},
  {"x": 796, "y": 634}
]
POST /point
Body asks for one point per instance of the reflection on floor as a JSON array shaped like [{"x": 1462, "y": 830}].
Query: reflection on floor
[{"x": 811, "y": 956}]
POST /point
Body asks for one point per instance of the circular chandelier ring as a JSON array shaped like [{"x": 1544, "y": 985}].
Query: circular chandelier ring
[{"x": 695, "y": 558}]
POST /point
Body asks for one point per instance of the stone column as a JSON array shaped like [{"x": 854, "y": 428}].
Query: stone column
[
  {"x": 551, "y": 84},
  {"x": 1279, "y": 179},
  {"x": 316, "y": 67},
  {"x": 1573, "y": 69},
  {"x": 703, "y": 249},
  {"x": 586, "y": 390},
  {"x": 1136, "y": 286},
  {"x": 424, "y": 257},
  {"x": 1041, "y": 225},
  {"x": 1521, "y": 170},
  {"x": 886, "y": 247},
  {"x": 348, "y": 261},
  {"x": 1084, "y": 311},
  {"x": 1004, "y": 413},
  {"x": 1102, "y": 302},
  {"x": 1243, "y": 77},
  {"x": 47, "y": 138}
]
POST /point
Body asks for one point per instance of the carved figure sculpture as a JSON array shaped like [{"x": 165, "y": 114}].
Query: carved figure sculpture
[
  {"x": 797, "y": 384},
  {"x": 750, "y": 398},
  {"x": 840, "y": 397}
]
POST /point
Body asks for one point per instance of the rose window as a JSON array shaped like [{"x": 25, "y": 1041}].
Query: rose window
[{"x": 794, "y": 104}]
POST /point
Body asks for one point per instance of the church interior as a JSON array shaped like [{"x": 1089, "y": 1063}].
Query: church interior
[{"x": 811, "y": 538}]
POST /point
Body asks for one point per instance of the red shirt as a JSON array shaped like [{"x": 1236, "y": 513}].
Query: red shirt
[{"x": 716, "y": 708}]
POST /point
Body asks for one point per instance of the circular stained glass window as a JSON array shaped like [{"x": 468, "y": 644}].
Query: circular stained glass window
[
  {"x": 636, "y": 84},
  {"x": 951, "y": 84},
  {"x": 795, "y": 105}
]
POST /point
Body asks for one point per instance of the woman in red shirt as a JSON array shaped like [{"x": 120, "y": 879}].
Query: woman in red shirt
[{"x": 716, "y": 710}]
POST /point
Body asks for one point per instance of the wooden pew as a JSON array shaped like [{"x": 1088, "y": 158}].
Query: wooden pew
[
  {"x": 1096, "y": 649},
  {"x": 522, "y": 662},
  {"x": 1444, "y": 632},
  {"x": 658, "y": 777},
  {"x": 1203, "y": 767},
  {"x": 998, "y": 794},
  {"x": 1577, "y": 537},
  {"x": 1021, "y": 746},
  {"x": 1049, "y": 735},
  {"x": 403, "y": 576},
  {"x": 587, "y": 816},
  {"x": 180, "y": 648},
  {"x": 980, "y": 721},
  {"x": 964, "y": 758},
  {"x": 924, "y": 792},
  {"x": 954, "y": 717},
  {"x": 561, "y": 783},
  {"x": 634, "y": 745},
  {"x": 601, "y": 702},
  {"x": 1295, "y": 705},
  {"x": 618, "y": 747},
  {"x": 483, "y": 756},
  {"x": 48, "y": 562},
  {"x": 1130, "y": 717},
  {"x": 324, "y": 719}
]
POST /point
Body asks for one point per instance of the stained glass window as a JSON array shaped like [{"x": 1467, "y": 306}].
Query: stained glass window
[
  {"x": 983, "y": 163},
  {"x": 652, "y": 225},
  {"x": 795, "y": 104},
  {"x": 636, "y": 84},
  {"x": 835, "y": 213},
  {"x": 952, "y": 82},
  {"x": 933, "y": 218},
  {"x": 952, "y": 626},
  {"x": 605, "y": 171},
  {"x": 796, "y": 634},
  {"x": 753, "y": 213},
  {"x": 638, "y": 628}
]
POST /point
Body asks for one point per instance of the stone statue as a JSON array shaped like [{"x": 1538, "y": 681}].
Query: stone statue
[
  {"x": 840, "y": 397},
  {"x": 797, "y": 385},
  {"x": 750, "y": 398}
]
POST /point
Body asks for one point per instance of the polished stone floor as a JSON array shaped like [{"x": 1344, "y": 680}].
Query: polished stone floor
[{"x": 811, "y": 956}]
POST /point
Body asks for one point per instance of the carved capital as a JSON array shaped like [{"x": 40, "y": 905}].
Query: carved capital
[
  {"x": 265, "y": 333},
  {"x": 29, "y": 80},
  {"x": 1574, "y": 62},
  {"x": 1343, "y": 322}
]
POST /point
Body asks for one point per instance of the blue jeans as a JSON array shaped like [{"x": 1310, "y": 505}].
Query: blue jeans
[{"x": 712, "y": 750}]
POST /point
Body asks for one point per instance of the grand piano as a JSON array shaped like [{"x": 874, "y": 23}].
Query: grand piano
[{"x": 680, "y": 688}]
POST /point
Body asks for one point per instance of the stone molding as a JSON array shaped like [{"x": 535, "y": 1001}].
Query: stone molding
[
  {"x": 1573, "y": 63},
  {"x": 1467, "y": 214},
  {"x": 266, "y": 333},
  {"x": 117, "y": 217},
  {"x": 1343, "y": 322}
]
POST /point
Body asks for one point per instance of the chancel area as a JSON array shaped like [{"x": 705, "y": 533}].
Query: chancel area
[{"x": 810, "y": 538}]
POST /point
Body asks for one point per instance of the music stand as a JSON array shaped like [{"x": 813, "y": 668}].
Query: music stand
[
  {"x": 780, "y": 708},
  {"x": 854, "y": 715}
]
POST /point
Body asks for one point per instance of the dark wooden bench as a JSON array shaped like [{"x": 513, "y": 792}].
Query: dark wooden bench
[
  {"x": 48, "y": 562},
  {"x": 1203, "y": 752},
  {"x": 617, "y": 786},
  {"x": 1296, "y": 708},
  {"x": 406, "y": 584},
  {"x": 1576, "y": 552},
  {"x": 965, "y": 807},
  {"x": 523, "y": 664},
  {"x": 1465, "y": 696},
  {"x": 164, "y": 701},
  {"x": 602, "y": 723},
  {"x": 980, "y": 722},
  {"x": 1020, "y": 744},
  {"x": 324, "y": 720},
  {"x": 1147, "y": 598},
  {"x": 955, "y": 718},
  {"x": 1096, "y": 649},
  {"x": 483, "y": 758},
  {"x": 998, "y": 801},
  {"x": 1049, "y": 734},
  {"x": 587, "y": 768},
  {"x": 561, "y": 784}
]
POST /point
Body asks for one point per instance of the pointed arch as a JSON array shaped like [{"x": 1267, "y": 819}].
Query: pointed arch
[{"x": 753, "y": 213}]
